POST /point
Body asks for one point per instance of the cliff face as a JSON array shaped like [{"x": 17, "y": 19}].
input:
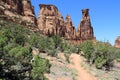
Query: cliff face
[
  {"x": 28, "y": 11},
  {"x": 70, "y": 32},
  {"x": 50, "y": 21},
  {"x": 117, "y": 42},
  {"x": 85, "y": 30},
  {"x": 19, "y": 9}
]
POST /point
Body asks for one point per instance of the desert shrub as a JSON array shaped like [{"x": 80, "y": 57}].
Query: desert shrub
[
  {"x": 117, "y": 54},
  {"x": 52, "y": 52},
  {"x": 88, "y": 48},
  {"x": 101, "y": 54},
  {"x": 57, "y": 40},
  {"x": 104, "y": 55},
  {"x": 40, "y": 66},
  {"x": 46, "y": 44},
  {"x": 15, "y": 60},
  {"x": 15, "y": 33},
  {"x": 20, "y": 54},
  {"x": 34, "y": 39},
  {"x": 67, "y": 56},
  {"x": 63, "y": 46},
  {"x": 74, "y": 49},
  {"x": 15, "y": 53}
]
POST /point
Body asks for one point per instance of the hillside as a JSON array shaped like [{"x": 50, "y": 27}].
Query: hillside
[{"x": 50, "y": 48}]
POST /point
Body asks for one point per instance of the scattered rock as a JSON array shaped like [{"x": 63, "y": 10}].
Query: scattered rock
[{"x": 35, "y": 51}]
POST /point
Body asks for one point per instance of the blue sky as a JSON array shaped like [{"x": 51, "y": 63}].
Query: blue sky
[{"x": 104, "y": 14}]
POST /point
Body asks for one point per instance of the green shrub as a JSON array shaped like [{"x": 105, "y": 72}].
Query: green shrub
[
  {"x": 52, "y": 52},
  {"x": 20, "y": 54},
  {"x": 34, "y": 39},
  {"x": 40, "y": 66},
  {"x": 88, "y": 48},
  {"x": 101, "y": 54},
  {"x": 57, "y": 40},
  {"x": 117, "y": 54},
  {"x": 16, "y": 44},
  {"x": 104, "y": 55}
]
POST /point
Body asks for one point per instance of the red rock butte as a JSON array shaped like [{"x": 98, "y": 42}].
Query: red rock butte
[{"x": 50, "y": 22}]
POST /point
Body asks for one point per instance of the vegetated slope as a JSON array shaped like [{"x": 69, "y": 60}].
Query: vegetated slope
[
  {"x": 17, "y": 44},
  {"x": 59, "y": 69},
  {"x": 100, "y": 56},
  {"x": 113, "y": 74},
  {"x": 62, "y": 70},
  {"x": 16, "y": 59}
]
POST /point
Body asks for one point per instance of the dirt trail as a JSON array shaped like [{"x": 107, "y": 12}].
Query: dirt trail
[{"x": 83, "y": 74}]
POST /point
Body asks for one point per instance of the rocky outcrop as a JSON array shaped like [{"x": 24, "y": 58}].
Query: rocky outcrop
[
  {"x": 18, "y": 8},
  {"x": 117, "y": 42},
  {"x": 70, "y": 32},
  {"x": 28, "y": 11},
  {"x": 85, "y": 30},
  {"x": 50, "y": 21}
]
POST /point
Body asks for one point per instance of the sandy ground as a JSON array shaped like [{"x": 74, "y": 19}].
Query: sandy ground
[
  {"x": 83, "y": 74},
  {"x": 75, "y": 63}
]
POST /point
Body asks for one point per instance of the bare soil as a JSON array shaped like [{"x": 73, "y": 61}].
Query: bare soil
[
  {"x": 62, "y": 70},
  {"x": 83, "y": 74}
]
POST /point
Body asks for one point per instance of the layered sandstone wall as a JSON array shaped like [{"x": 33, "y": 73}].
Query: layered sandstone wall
[
  {"x": 51, "y": 22},
  {"x": 19, "y": 9},
  {"x": 70, "y": 32},
  {"x": 85, "y": 30}
]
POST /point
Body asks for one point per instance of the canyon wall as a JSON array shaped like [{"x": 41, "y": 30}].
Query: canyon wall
[
  {"x": 18, "y": 8},
  {"x": 50, "y": 22}
]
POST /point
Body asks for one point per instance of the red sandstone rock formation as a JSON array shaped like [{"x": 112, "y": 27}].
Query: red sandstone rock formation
[
  {"x": 19, "y": 9},
  {"x": 117, "y": 42},
  {"x": 70, "y": 32},
  {"x": 50, "y": 21},
  {"x": 28, "y": 11},
  {"x": 85, "y": 30}
]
